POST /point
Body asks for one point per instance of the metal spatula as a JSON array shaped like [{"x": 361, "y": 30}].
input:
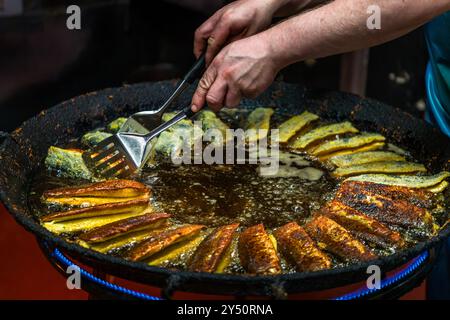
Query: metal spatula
[
  {"x": 145, "y": 121},
  {"x": 127, "y": 151}
]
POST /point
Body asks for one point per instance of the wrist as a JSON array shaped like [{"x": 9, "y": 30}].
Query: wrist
[{"x": 275, "y": 48}]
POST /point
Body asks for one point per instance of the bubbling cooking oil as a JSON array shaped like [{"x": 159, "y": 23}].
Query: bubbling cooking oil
[{"x": 215, "y": 195}]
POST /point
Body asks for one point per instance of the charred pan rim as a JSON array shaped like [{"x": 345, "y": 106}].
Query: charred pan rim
[{"x": 25, "y": 148}]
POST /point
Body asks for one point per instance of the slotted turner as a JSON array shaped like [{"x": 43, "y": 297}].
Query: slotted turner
[
  {"x": 145, "y": 121},
  {"x": 127, "y": 151},
  {"x": 124, "y": 153}
]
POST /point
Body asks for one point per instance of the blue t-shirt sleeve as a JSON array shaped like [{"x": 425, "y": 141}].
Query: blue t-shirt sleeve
[{"x": 438, "y": 75}]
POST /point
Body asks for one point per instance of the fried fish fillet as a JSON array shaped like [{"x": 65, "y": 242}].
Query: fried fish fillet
[
  {"x": 115, "y": 125},
  {"x": 210, "y": 121},
  {"x": 420, "y": 197},
  {"x": 212, "y": 250},
  {"x": 403, "y": 180},
  {"x": 337, "y": 239},
  {"x": 86, "y": 224},
  {"x": 258, "y": 124},
  {"x": 108, "y": 191},
  {"x": 295, "y": 124},
  {"x": 257, "y": 252},
  {"x": 131, "y": 206},
  {"x": 176, "y": 251},
  {"x": 396, "y": 212},
  {"x": 127, "y": 239},
  {"x": 67, "y": 163},
  {"x": 365, "y": 157},
  {"x": 298, "y": 247},
  {"x": 321, "y": 133},
  {"x": 161, "y": 241},
  {"x": 440, "y": 187},
  {"x": 92, "y": 138},
  {"x": 368, "y": 147},
  {"x": 185, "y": 124},
  {"x": 122, "y": 227},
  {"x": 380, "y": 167},
  {"x": 346, "y": 143},
  {"x": 171, "y": 142},
  {"x": 362, "y": 226}
]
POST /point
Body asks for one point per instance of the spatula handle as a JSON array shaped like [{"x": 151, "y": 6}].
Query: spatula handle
[
  {"x": 196, "y": 70},
  {"x": 185, "y": 113},
  {"x": 192, "y": 75}
]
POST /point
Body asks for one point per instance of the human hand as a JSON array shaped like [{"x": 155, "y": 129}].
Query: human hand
[
  {"x": 244, "y": 68},
  {"x": 235, "y": 21}
]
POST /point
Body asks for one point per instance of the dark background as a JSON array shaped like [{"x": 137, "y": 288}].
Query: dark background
[{"x": 43, "y": 63}]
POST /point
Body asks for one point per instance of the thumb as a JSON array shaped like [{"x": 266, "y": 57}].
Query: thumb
[{"x": 199, "y": 97}]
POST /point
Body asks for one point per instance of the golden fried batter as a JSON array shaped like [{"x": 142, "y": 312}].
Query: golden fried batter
[
  {"x": 337, "y": 239},
  {"x": 362, "y": 226},
  {"x": 125, "y": 226},
  {"x": 420, "y": 197},
  {"x": 379, "y": 203},
  {"x": 257, "y": 252},
  {"x": 98, "y": 193},
  {"x": 161, "y": 241},
  {"x": 299, "y": 248},
  {"x": 136, "y": 206},
  {"x": 212, "y": 250}
]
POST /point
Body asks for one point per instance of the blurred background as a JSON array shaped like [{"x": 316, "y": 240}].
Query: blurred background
[{"x": 126, "y": 41}]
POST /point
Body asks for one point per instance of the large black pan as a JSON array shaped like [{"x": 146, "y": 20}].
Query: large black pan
[{"x": 23, "y": 151}]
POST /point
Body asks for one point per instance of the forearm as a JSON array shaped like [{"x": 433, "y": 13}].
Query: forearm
[{"x": 341, "y": 26}]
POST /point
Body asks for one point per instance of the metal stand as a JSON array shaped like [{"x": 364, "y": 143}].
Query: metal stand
[{"x": 101, "y": 286}]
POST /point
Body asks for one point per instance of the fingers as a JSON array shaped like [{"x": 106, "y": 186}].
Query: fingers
[
  {"x": 216, "y": 94},
  {"x": 216, "y": 41},
  {"x": 233, "y": 97},
  {"x": 200, "y": 37},
  {"x": 213, "y": 90},
  {"x": 199, "y": 97},
  {"x": 203, "y": 33}
]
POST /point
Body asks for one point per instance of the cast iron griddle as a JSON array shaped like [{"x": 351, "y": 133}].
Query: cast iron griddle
[{"x": 22, "y": 152}]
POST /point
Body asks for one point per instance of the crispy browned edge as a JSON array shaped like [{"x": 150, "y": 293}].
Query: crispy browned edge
[
  {"x": 256, "y": 251},
  {"x": 211, "y": 251},
  {"x": 337, "y": 239},
  {"x": 107, "y": 185},
  {"x": 420, "y": 197},
  {"x": 116, "y": 205},
  {"x": 298, "y": 247},
  {"x": 398, "y": 211},
  {"x": 123, "y": 226},
  {"x": 374, "y": 231},
  {"x": 161, "y": 241}
]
